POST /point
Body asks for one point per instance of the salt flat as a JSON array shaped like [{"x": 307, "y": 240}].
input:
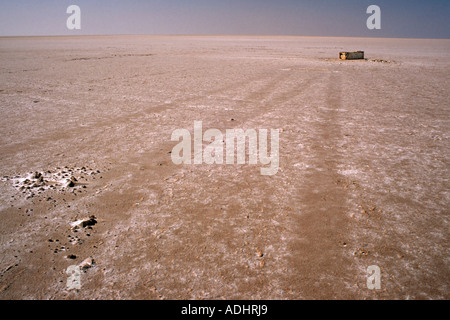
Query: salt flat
[{"x": 362, "y": 180}]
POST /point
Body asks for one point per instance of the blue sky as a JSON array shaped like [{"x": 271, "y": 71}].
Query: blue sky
[{"x": 399, "y": 18}]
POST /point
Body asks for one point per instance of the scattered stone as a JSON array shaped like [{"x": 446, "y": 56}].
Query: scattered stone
[
  {"x": 361, "y": 253},
  {"x": 71, "y": 182},
  {"x": 261, "y": 264},
  {"x": 83, "y": 223},
  {"x": 87, "y": 263}
]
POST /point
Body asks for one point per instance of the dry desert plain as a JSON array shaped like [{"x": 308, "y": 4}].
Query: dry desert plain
[{"x": 363, "y": 179}]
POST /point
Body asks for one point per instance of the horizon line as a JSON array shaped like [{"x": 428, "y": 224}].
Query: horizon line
[{"x": 209, "y": 35}]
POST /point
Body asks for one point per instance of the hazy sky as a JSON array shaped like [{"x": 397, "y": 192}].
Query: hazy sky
[{"x": 399, "y": 18}]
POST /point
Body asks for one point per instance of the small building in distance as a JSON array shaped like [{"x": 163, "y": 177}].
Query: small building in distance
[{"x": 351, "y": 55}]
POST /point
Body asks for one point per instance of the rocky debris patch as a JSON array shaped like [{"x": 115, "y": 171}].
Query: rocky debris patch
[
  {"x": 83, "y": 229},
  {"x": 59, "y": 249},
  {"x": 66, "y": 179},
  {"x": 75, "y": 240},
  {"x": 380, "y": 61}
]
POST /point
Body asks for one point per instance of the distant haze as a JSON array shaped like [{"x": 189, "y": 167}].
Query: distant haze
[{"x": 399, "y": 18}]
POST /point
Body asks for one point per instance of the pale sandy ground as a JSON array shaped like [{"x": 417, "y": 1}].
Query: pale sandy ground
[{"x": 363, "y": 179}]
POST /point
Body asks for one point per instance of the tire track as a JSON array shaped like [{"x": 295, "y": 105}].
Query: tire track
[{"x": 320, "y": 267}]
